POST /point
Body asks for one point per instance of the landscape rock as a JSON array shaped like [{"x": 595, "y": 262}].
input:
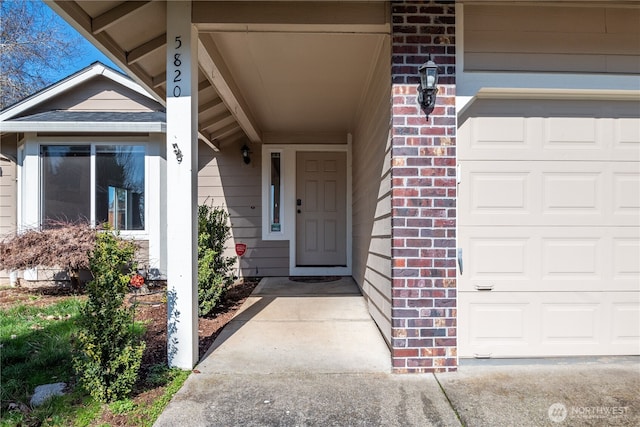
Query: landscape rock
[{"x": 42, "y": 393}]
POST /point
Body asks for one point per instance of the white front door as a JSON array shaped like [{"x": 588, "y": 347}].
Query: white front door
[{"x": 321, "y": 231}]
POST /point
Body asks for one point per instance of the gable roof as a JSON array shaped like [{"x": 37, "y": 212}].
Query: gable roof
[
  {"x": 88, "y": 121},
  {"x": 15, "y": 118}
]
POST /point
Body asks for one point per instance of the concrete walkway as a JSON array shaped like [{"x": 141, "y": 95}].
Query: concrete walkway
[
  {"x": 308, "y": 354},
  {"x": 289, "y": 327}
]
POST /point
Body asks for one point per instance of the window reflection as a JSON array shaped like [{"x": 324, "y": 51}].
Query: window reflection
[
  {"x": 275, "y": 193},
  {"x": 120, "y": 186},
  {"x": 66, "y": 183}
]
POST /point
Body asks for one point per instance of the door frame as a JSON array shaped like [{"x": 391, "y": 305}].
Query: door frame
[{"x": 288, "y": 153}]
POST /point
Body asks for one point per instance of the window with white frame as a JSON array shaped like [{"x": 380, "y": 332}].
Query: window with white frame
[
  {"x": 275, "y": 191},
  {"x": 100, "y": 183},
  {"x": 274, "y": 194}
]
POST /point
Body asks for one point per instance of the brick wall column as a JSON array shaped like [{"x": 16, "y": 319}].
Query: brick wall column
[{"x": 423, "y": 192}]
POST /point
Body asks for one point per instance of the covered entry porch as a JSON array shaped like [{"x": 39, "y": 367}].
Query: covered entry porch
[{"x": 245, "y": 83}]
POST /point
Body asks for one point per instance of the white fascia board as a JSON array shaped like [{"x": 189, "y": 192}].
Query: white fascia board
[
  {"x": 564, "y": 94},
  {"x": 69, "y": 83},
  {"x": 462, "y": 102},
  {"x": 74, "y": 127},
  {"x": 470, "y": 83}
]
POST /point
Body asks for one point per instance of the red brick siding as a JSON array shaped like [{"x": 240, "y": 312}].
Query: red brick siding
[{"x": 423, "y": 174}]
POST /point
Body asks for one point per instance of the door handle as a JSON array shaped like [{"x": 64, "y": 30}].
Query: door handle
[
  {"x": 460, "y": 260},
  {"x": 299, "y": 202}
]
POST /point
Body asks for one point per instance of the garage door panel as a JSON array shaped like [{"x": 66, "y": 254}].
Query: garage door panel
[
  {"x": 626, "y": 194},
  {"x": 496, "y": 193},
  {"x": 534, "y": 259},
  {"x": 591, "y": 193},
  {"x": 625, "y": 323},
  {"x": 549, "y": 324},
  {"x": 626, "y": 258},
  {"x": 517, "y": 131},
  {"x": 626, "y": 136},
  {"x": 494, "y": 323},
  {"x": 501, "y": 191},
  {"x": 549, "y": 228},
  {"x": 572, "y": 260},
  {"x": 573, "y": 193},
  {"x": 511, "y": 134},
  {"x": 595, "y": 137},
  {"x": 497, "y": 259},
  {"x": 481, "y": 138},
  {"x": 570, "y": 322},
  {"x": 556, "y": 193},
  {"x": 499, "y": 133},
  {"x": 573, "y": 134}
]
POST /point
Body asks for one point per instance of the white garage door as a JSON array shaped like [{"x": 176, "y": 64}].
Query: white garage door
[{"x": 549, "y": 228}]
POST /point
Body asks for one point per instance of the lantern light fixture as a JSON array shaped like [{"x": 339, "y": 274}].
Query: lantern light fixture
[
  {"x": 245, "y": 154},
  {"x": 428, "y": 87}
]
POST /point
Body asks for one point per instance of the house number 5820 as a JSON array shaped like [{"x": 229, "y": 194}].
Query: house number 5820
[{"x": 177, "y": 90}]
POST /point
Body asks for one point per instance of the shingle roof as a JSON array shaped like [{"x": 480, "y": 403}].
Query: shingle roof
[{"x": 94, "y": 116}]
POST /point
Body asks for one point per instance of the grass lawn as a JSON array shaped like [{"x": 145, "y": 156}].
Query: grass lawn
[{"x": 35, "y": 349}]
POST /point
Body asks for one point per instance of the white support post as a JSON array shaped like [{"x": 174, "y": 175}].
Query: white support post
[{"x": 182, "y": 181}]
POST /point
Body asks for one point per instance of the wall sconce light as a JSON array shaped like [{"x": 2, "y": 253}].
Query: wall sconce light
[
  {"x": 428, "y": 87},
  {"x": 245, "y": 154}
]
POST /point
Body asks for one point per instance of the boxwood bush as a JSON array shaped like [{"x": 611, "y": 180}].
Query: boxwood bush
[
  {"x": 108, "y": 348},
  {"x": 214, "y": 269}
]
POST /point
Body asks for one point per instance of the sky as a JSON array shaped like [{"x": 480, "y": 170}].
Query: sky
[{"x": 90, "y": 53}]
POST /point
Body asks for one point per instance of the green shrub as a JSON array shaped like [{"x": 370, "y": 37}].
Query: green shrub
[
  {"x": 108, "y": 350},
  {"x": 214, "y": 269}
]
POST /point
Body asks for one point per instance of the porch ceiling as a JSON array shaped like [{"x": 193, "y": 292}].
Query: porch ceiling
[{"x": 287, "y": 68}]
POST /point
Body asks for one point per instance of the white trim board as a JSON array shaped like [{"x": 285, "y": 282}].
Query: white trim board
[{"x": 75, "y": 127}]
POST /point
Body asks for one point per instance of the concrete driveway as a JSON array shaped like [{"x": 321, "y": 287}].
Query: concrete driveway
[
  {"x": 546, "y": 392},
  {"x": 308, "y": 354}
]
